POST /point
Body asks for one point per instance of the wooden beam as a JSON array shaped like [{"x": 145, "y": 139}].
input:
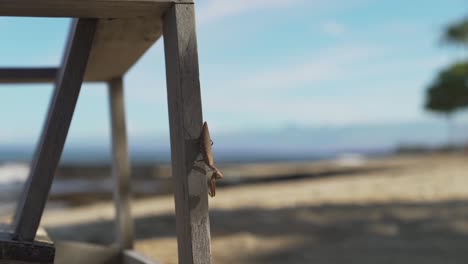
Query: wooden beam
[
  {"x": 84, "y": 8},
  {"x": 55, "y": 131},
  {"x": 27, "y": 75},
  {"x": 186, "y": 121},
  {"x": 119, "y": 43},
  {"x": 120, "y": 166},
  {"x": 125, "y": 31}
]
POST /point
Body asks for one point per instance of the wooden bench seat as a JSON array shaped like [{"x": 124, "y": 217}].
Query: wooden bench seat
[{"x": 125, "y": 31}]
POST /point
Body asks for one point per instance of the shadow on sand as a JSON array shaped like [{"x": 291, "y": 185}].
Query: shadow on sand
[{"x": 427, "y": 232}]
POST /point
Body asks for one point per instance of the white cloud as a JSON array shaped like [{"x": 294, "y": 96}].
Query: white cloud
[
  {"x": 333, "y": 28},
  {"x": 213, "y": 10},
  {"x": 378, "y": 105},
  {"x": 256, "y": 90},
  {"x": 252, "y": 92},
  {"x": 324, "y": 65},
  {"x": 365, "y": 71}
]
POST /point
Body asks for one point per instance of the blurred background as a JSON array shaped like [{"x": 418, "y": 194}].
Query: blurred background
[{"x": 341, "y": 128}]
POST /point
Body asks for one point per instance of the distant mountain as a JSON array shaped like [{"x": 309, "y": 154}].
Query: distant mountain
[
  {"x": 332, "y": 140},
  {"x": 336, "y": 138}
]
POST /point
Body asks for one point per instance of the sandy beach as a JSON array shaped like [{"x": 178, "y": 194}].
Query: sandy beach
[{"x": 403, "y": 209}]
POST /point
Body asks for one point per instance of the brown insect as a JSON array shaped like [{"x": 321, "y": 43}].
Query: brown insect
[{"x": 207, "y": 154}]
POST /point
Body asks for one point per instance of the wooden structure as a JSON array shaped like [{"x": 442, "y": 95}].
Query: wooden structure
[{"x": 106, "y": 38}]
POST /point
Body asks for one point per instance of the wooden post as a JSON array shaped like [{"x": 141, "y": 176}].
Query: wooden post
[
  {"x": 120, "y": 166},
  {"x": 185, "y": 120},
  {"x": 55, "y": 131}
]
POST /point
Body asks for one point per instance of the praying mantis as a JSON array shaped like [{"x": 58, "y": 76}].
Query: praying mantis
[{"x": 207, "y": 154}]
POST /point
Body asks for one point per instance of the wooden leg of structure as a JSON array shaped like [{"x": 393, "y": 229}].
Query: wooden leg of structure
[
  {"x": 55, "y": 130},
  {"x": 185, "y": 120},
  {"x": 120, "y": 166}
]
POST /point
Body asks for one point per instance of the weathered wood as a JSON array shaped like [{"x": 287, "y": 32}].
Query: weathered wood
[
  {"x": 84, "y": 8},
  {"x": 185, "y": 120},
  {"x": 119, "y": 43},
  {"x": 68, "y": 252},
  {"x": 133, "y": 257},
  {"x": 55, "y": 131},
  {"x": 125, "y": 31},
  {"x": 120, "y": 166},
  {"x": 27, "y": 75}
]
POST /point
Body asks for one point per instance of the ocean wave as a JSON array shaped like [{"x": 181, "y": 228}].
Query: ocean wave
[{"x": 13, "y": 173}]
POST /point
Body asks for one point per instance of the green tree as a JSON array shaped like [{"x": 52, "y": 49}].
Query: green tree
[
  {"x": 449, "y": 92},
  {"x": 457, "y": 33}
]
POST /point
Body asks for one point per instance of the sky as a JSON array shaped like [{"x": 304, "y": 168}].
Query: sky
[{"x": 264, "y": 65}]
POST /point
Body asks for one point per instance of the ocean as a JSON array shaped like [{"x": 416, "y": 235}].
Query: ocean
[{"x": 87, "y": 170}]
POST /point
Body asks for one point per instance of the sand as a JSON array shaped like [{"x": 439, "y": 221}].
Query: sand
[{"x": 406, "y": 209}]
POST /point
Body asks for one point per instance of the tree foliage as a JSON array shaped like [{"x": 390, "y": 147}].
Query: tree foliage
[
  {"x": 449, "y": 92},
  {"x": 457, "y": 33}
]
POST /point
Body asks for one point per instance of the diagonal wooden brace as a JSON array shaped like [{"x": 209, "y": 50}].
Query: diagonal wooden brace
[{"x": 54, "y": 134}]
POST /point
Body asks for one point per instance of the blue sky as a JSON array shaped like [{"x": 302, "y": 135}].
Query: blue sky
[{"x": 265, "y": 65}]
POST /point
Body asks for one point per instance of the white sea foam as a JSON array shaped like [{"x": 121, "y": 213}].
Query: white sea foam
[
  {"x": 13, "y": 173},
  {"x": 12, "y": 178},
  {"x": 350, "y": 160}
]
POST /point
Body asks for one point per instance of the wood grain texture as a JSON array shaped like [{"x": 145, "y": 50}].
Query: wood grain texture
[
  {"x": 185, "y": 120},
  {"x": 55, "y": 131},
  {"x": 84, "y": 8},
  {"x": 27, "y": 75},
  {"x": 120, "y": 166},
  {"x": 119, "y": 43}
]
